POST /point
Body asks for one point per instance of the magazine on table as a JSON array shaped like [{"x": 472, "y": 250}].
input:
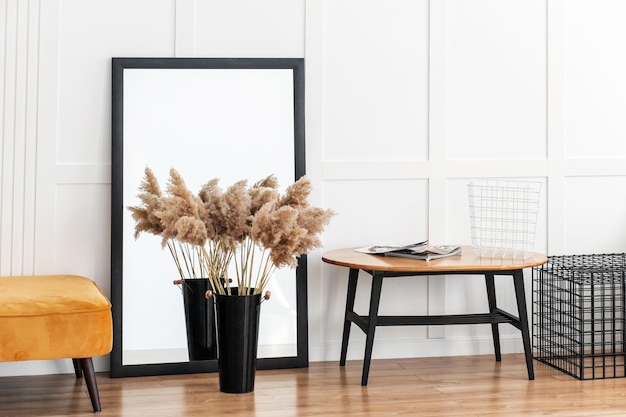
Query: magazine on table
[{"x": 420, "y": 250}]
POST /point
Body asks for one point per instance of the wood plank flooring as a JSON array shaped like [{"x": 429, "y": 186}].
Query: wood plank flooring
[{"x": 468, "y": 386}]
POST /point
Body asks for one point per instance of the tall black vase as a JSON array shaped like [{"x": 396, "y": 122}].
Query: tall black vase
[
  {"x": 237, "y": 333},
  {"x": 200, "y": 319}
]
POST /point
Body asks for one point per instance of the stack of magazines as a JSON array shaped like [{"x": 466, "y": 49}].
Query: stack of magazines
[{"x": 421, "y": 250}]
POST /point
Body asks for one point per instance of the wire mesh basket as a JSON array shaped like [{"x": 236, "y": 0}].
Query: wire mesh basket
[{"x": 503, "y": 217}]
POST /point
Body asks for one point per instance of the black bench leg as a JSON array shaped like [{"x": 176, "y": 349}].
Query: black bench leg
[
  {"x": 78, "y": 369},
  {"x": 90, "y": 380}
]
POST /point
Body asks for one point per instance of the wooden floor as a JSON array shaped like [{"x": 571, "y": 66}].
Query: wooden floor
[{"x": 453, "y": 386}]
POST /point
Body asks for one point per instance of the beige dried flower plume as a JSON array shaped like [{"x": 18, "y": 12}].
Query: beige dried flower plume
[
  {"x": 255, "y": 228},
  {"x": 151, "y": 197}
]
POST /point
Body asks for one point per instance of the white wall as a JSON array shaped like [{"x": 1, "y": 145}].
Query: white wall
[{"x": 406, "y": 101}]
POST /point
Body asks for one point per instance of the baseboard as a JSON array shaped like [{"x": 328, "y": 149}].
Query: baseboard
[{"x": 412, "y": 348}]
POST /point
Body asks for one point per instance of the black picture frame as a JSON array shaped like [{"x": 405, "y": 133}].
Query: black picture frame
[{"x": 119, "y": 65}]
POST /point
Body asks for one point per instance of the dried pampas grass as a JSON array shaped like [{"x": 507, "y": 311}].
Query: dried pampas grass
[{"x": 255, "y": 228}]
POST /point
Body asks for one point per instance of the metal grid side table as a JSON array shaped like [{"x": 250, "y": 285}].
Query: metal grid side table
[{"x": 579, "y": 315}]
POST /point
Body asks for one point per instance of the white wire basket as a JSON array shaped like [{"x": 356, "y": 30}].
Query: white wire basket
[{"x": 503, "y": 217}]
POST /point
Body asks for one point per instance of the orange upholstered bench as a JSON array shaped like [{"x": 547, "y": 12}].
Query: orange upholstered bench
[{"x": 55, "y": 317}]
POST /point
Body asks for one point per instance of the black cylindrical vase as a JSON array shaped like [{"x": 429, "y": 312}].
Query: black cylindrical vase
[
  {"x": 200, "y": 320},
  {"x": 237, "y": 333}
]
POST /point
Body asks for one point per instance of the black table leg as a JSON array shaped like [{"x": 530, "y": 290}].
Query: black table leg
[
  {"x": 491, "y": 297},
  {"x": 520, "y": 295},
  {"x": 377, "y": 283},
  {"x": 353, "y": 276}
]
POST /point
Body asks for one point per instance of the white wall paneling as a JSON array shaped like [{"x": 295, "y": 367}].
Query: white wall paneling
[
  {"x": 595, "y": 211},
  {"x": 47, "y": 111},
  {"x": 555, "y": 129},
  {"x": 376, "y": 80},
  {"x": 185, "y": 28},
  {"x": 592, "y": 107},
  {"x": 319, "y": 283},
  {"x": 405, "y": 102},
  {"x": 496, "y": 77},
  {"x": 437, "y": 144},
  {"x": 250, "y": 28},
  {"x": 595, "y": 85},
  {"x": 18, "y": 115},
  {"x": 498, "y": 96}
]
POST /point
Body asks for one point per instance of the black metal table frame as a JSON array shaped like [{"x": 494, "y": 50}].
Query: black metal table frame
[{"x": 495, "y": 316}]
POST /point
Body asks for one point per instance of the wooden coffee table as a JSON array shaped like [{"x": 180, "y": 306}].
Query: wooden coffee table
[{"x": 467, "y": 263}]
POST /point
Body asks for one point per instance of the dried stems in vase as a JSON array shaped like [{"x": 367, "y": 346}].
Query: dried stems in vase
[{"x": 255, "y": 228}]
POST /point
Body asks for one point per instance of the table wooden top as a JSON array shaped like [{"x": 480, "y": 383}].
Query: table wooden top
[{"x": 467, "y": 261}]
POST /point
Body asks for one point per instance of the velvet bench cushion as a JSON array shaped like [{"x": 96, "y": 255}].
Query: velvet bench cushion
[{"x": 53, "y": 317}]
